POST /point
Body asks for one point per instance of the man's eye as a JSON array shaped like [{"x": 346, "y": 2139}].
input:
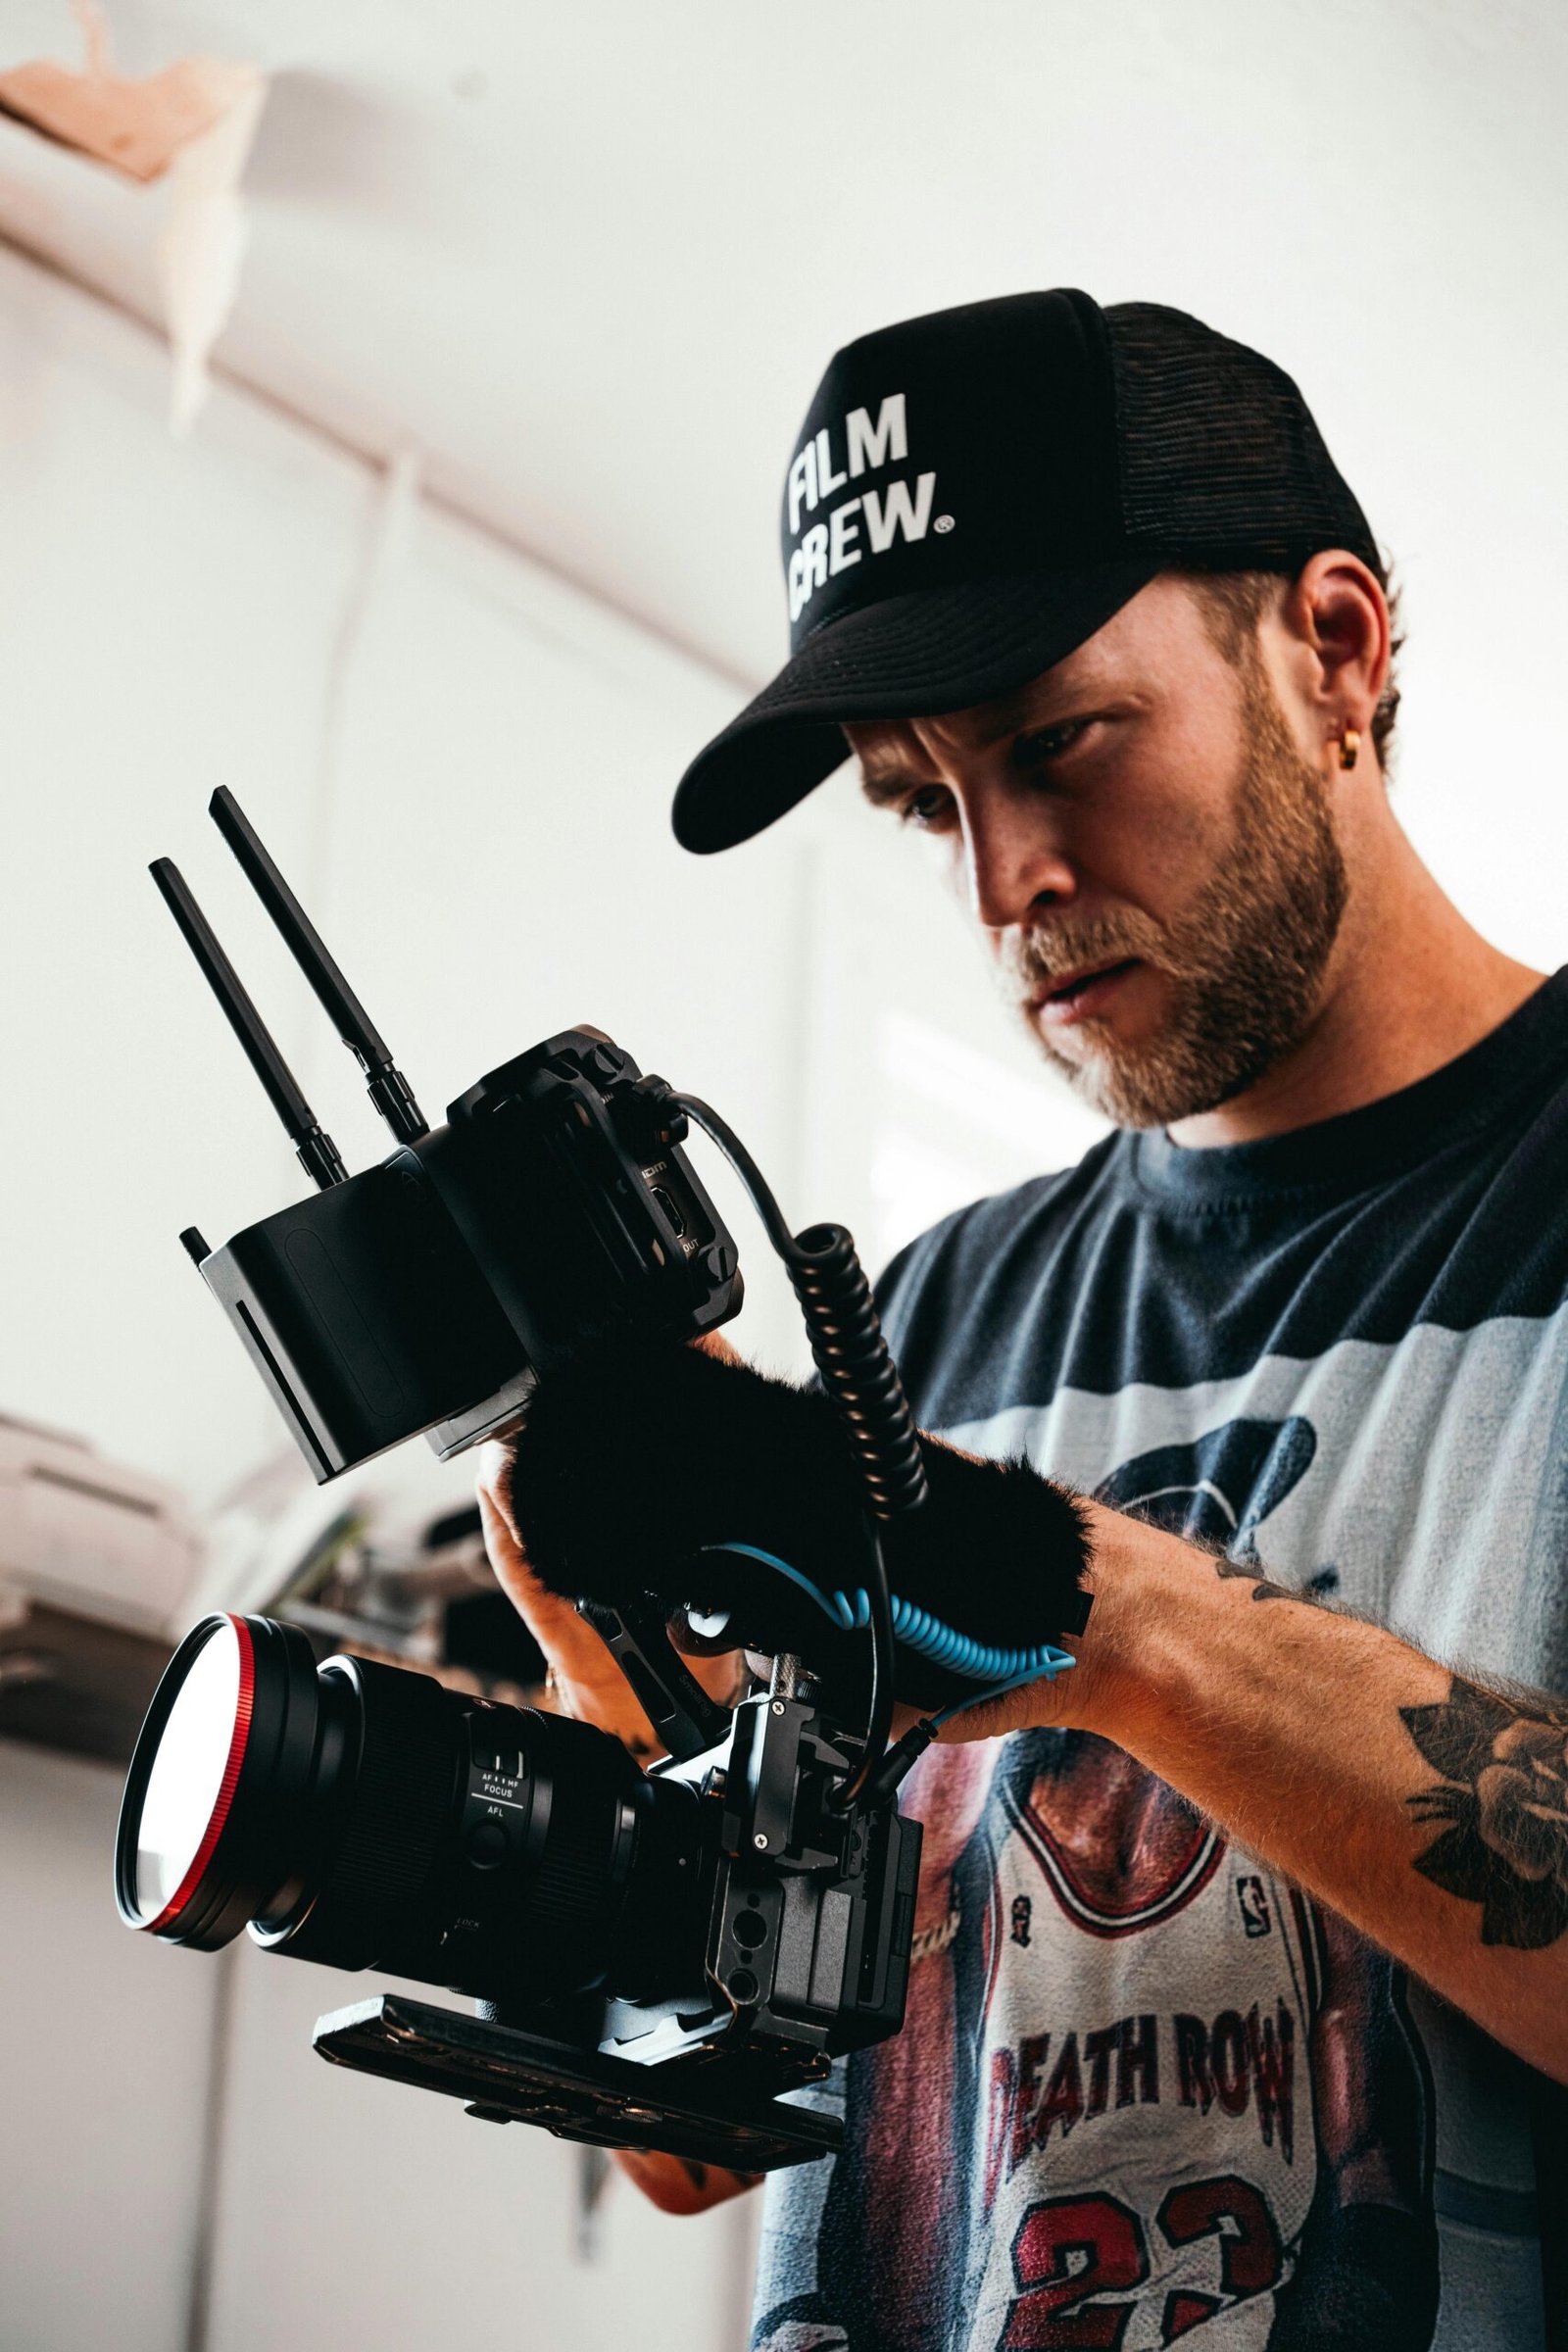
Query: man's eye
[
  {"x": 1050, "y": 742},
  {"x": 927, "y": 808}
]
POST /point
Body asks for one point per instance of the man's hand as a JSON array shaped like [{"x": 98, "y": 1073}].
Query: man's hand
[
  {"x": 586, "y": 1681},
  {"x": 585, "y": 1677}
]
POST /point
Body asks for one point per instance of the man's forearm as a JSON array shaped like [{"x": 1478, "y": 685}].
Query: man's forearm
[{"x": 1427, "y": 1812}]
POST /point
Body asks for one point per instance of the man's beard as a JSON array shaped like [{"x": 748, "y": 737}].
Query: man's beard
[{"x": 1244, "y": 963}]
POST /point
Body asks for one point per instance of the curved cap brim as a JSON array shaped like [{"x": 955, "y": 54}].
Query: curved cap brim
[{"x": 908, "y": 656}]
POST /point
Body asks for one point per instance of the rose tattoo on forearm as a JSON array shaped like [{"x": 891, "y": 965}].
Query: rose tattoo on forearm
[{"x": 1503, "y": 1800}]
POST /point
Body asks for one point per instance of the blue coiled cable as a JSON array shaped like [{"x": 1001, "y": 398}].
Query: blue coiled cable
[{"x": 927, "y": 1636}]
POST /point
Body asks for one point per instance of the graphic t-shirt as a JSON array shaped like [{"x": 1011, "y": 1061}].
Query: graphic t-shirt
[{"x": 1146, "y": 2090}]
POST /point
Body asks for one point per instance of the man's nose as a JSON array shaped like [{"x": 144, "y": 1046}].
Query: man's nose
[{"x": 1014, "y": 864}]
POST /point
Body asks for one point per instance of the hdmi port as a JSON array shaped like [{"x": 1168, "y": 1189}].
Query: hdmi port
[{"x": 667, "y": 1204}]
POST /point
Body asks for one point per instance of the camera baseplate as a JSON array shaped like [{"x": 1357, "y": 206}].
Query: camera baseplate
[{"x": 507, "y": 2075}]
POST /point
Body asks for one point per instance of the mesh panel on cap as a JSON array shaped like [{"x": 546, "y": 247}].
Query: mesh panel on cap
[{"x": 1220, "y": 458}]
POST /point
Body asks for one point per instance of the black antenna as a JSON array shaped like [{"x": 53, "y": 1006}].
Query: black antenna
[
  {"x": 390, "y": 1091},
  {"x": 318, "y": 1154}
]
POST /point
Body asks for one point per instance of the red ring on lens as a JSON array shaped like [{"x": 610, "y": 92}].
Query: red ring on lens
[{"x": 244, "y": 1706}]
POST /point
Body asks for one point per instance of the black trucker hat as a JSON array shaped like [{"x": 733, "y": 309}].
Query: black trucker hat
[{"x": 975, "y": 492}]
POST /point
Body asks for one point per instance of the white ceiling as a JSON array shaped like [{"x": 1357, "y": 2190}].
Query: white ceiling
[{"x": 591, "y": 257}]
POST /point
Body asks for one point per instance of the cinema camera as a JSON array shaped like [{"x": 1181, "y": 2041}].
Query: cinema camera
[{"x": 659, "y": 1959}]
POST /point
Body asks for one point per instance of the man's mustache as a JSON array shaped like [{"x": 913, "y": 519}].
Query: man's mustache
[{"x": 1039, "y": 959}]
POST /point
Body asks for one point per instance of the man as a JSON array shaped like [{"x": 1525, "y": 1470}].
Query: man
[{"x": 1242, "y": 1982}]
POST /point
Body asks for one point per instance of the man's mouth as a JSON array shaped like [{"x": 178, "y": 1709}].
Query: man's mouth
[{"x": 1080, "y": 994}]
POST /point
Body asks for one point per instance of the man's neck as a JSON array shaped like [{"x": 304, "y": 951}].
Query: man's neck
[{"x": 1410, "y": 986}]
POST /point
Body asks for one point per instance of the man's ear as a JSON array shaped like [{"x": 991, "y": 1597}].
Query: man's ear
[{"x": 1337, "y": 614}]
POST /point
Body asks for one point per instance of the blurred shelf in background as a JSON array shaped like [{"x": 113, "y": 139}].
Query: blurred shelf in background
[{"x": 75, "y": 1683}]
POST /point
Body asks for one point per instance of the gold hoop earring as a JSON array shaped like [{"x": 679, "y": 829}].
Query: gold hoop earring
[{"x": 1349, "y": 747}]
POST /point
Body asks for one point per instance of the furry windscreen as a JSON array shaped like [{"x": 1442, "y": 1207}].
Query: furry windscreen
[{"x": 630, "y": 1467}]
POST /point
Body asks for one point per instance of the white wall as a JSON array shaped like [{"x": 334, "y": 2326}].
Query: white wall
[{"x": 103, "y": 2116}]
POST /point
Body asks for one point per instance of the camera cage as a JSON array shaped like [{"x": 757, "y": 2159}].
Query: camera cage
[
  {"x": 730, "y": 2076},
  {"x": 807, "y": 1956}
]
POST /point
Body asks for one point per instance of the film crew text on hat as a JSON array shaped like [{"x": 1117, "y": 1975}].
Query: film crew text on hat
[{"x": 868, "y": 523}]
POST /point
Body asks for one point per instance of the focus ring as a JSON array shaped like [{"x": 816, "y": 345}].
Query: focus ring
[{"x": 572, "y": 1896}]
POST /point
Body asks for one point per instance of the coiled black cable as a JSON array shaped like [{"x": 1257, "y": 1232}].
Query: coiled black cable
[
  {"x": 858, "y": 1371},
  {"x": 859, "y": 1374}
]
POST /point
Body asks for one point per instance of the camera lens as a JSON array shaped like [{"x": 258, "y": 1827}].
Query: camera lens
[{"x": 365, "y": 1816}]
